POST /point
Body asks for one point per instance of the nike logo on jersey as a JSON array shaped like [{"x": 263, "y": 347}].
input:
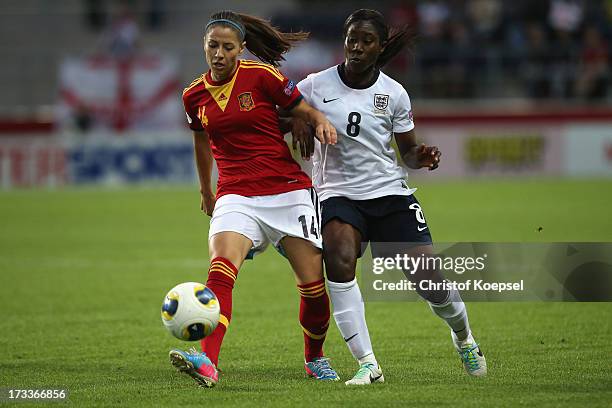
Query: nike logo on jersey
[
  {"x": 329, "y": 100},
  {"x": 350, "y": 338},
  {"x": 422, "y": 228}
]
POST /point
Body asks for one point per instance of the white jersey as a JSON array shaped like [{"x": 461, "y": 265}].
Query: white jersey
[{"x": 362, "y": 165}]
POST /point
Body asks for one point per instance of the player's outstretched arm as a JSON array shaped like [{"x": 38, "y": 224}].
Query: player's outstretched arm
[
  {"x": 204, "y": 163},
  {"x": 416, "y": 156},
  {"x": 324, "y": 130}
]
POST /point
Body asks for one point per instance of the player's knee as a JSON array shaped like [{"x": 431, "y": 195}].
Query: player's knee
[
  {"x": 229, "y": 245},
  {"x": 340, "y": 261},
  {"x": 434, "y": 296}
]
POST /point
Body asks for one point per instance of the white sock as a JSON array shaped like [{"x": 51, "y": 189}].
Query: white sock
[
  {"x": 453, "y": 312},
  {"x": 368, "y": 359},
  {"x": 349, "y": 313}
]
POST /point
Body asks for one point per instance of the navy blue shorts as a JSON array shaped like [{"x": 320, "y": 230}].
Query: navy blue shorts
[{"x": 392, "y": 218}]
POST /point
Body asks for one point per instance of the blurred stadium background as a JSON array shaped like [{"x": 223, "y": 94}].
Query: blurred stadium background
[{"x": 90, "y": 89}]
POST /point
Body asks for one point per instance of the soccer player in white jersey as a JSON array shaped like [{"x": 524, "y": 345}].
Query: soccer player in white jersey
[{"x": 363, "y": 190}]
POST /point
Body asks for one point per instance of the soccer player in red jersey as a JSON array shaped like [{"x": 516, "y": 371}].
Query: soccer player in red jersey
[{"x": 262, "y": 194}]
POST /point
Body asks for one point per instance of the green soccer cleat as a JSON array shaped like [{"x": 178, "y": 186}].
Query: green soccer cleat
[
  {"x": 368, "y": 373},
  {"x": 472, "y": 357}
]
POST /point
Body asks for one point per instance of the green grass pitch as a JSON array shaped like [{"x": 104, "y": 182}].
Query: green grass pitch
[{"x": 83, "y": 274}]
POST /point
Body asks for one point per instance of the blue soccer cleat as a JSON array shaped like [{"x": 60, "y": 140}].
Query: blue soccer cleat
[
  {"x": 197, "y": 365},
  {"x": 320, "y": 369}
]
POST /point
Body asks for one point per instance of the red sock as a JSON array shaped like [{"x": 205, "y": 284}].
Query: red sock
[
  {"x": 314, "y": 317},
  {"x": 221, "y": 277}
]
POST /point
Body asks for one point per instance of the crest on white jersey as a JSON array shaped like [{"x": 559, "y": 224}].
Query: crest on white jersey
[{"x": 381, "y": 101}]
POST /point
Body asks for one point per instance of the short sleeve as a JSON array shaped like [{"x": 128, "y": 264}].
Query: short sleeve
[
  {"x": 305, "y": 87},
  {"x": 279, "y": 88},
  {"x": 193, "y": 120},
  {"x": 402, "y": 115}
]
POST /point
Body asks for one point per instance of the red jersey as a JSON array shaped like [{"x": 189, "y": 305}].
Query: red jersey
[{"x": 240, "y": 117}]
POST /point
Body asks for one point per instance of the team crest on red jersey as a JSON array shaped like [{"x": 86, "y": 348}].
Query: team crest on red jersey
[{"x": 246, "y": 101}]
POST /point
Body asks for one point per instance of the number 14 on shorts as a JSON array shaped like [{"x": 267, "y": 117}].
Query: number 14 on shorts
[{"x": 313, "y": 226}]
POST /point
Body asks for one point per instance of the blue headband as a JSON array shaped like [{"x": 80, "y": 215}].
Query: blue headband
[{"x": 226, "y": 21}]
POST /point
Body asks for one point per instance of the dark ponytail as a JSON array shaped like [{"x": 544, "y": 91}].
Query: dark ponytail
[
  {"x": 262, "y": 39},
  {"x": 392, "y": 39}
]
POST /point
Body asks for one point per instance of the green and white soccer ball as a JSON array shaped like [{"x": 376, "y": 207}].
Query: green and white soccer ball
[{"x": 190, "y": 311}]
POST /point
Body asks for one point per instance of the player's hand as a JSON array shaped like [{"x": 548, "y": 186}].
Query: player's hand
[
  {"x": 325, "y": 132},
  {"x": 302, "y": 135},
  {"x": 428, "y": 156},
  {"x": 207, "y": 202}
]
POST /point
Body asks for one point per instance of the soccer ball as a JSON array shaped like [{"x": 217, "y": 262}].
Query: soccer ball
[{"x": 190, "y": 311}]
